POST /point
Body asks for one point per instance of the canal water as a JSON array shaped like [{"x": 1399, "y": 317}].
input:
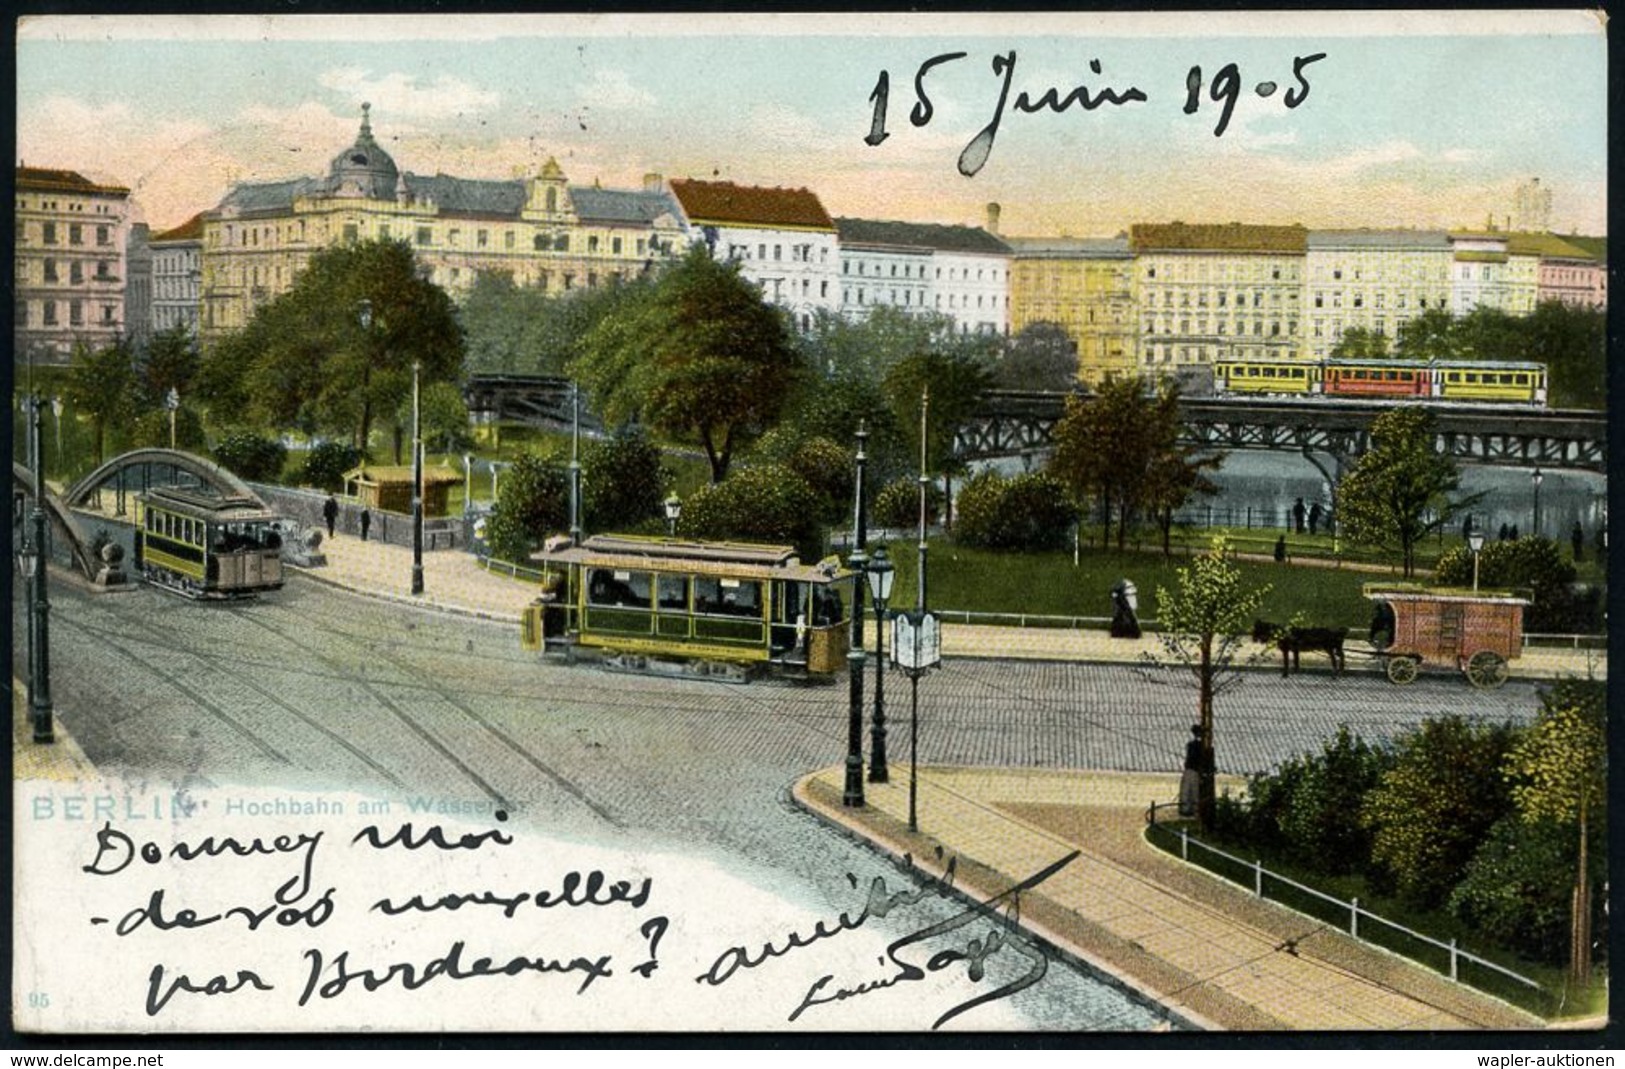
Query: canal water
[{"x": 1259, "y": 488}]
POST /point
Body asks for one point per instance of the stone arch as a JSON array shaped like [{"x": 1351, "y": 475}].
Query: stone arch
[
  {"x": 205, "y": 472},
  {"x": 62, "y": 521}
]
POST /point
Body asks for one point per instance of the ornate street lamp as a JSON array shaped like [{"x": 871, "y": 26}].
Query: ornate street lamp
[
  {"x": 468, "y": 483},
  {"x": 674, "y": 509},
  {"x": 917, "y": 641},
  {"x": 417, "y": 487},
  {"x": 575, "y": 464},
  {"x": 853, "y": 794},
  {"x": 881, "y": 575},
  {"x": 33, "y": 558},
  {"x": 1537, "y": 478},
  {"x": 1475, "y": 542},
  {"x": 172, "y": 402}
]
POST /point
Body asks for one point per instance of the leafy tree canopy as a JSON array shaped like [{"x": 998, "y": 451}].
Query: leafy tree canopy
[
  {"x": 1401, "y": 489},
  {"x": 1041, "y": 356}
]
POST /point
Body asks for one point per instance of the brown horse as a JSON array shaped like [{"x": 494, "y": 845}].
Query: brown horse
[{"x": 1292, "y": 641}]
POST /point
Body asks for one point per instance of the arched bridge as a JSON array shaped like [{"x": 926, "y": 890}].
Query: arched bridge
[
  {"x": 1010, "y": 423},
  {"x": 138, "y": 470}
]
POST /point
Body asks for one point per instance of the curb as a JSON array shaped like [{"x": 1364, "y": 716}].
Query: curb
[
  {"x": 1074, "y": 956},
  {"x": 402, "y": 599}
]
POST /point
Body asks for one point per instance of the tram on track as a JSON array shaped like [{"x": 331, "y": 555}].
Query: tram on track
[
  {"x": 669, "y": 605},
  {"x": 205, "y": 546}
]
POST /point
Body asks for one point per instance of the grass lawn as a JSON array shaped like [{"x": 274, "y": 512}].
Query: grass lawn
[
  {"x": 1048, "y": 584},
  {"x": 1553, "y": 999}
]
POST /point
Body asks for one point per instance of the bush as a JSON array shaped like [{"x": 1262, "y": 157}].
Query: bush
[
  {"x": 830, "y": 470},
  {"x": 1310, "y": 807},
  {"x": 898, "y": 505},
  {"x": 1519, "y": 887},
  {"x": 326, "y": 464},
  {"x": 1432, "y": 809},
  {"x": 251, "y": 457},
  {"x": 1533, "y": 564},
  {"x": 534, "y": 502},
  {"x": 1024, "y": 513},
  {"x": 623, "y": 482},
  {"x": 767, "y": 503}
]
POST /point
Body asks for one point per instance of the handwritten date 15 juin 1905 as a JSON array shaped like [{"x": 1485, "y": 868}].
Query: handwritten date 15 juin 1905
[{"x": 1224, "y": 90}]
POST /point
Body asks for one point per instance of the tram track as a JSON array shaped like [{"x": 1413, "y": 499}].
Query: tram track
[{"x": 231, "y": 666}]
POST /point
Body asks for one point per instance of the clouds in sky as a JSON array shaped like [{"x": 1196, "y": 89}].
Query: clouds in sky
[{"x": 1424, "y": 131}]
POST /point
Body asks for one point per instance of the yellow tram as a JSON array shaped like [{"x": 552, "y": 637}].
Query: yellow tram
[
  {"x": 205, "y": 546},
  {"x": 710, "y": 608}
]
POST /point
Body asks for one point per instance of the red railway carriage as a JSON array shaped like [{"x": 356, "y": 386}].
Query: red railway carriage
[{"x": 1378, "y": 378}]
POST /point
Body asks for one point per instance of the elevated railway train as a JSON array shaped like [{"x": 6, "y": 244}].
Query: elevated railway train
[
  {"x": 724, "y": 609},
  {"x": 206, "y": 546},
  {"x": 1464, "y": 381}
]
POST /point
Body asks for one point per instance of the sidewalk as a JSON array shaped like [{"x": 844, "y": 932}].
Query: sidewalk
[
  {"x": 1214, "y": 955},
  {"x": 455, "y": 581}
]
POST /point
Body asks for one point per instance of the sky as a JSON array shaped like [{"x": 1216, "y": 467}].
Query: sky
[{"x": 1411, "y": 119}]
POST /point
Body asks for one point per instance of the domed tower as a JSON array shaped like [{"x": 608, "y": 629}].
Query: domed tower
[{"x": 364, "y": 169}]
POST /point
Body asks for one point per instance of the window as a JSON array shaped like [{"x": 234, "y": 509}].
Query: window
[
  {"x": 425, "y": 236},
  {"x": 727, "y": 597},
  {"x": 50, "y": 313},
  {"x": 552, "y": 200},
  {"x": 592, "y": 243},
  {"x": 507, "y": 239},
  {"x": 76, "y": 313},
  {"x": 482, "y": 238},
  {"x": 102, "y": 236},
  {"x": 609, "y": 588},
  {"x": 50, "y": 271},
  {"x": 615, "y": 246},
  {"x": 562, "y": 244},
  {"x": 778, "y": 252},
  {"x": 107, "y": 314},
  {"x": 352, "y": 233},
  {"x": 76, "y": 234},
  {"x": 540, "y": 243},
  {"x": 761, "y": 252},
  {"x": 101, "y": 270},
  {"x": 49, "y": 233},
  {"x": 383, "y": 231},
  {"x": 671, "y": 593},
  {"x": 76, "y": 272}
]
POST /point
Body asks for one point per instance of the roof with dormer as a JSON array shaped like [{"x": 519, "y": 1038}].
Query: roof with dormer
[
  {"x": 46, "y": 179},
  {"x": 1217, "y": 237},
  {"x": 191, "y": 230},
  {"x": 728, "y": 203},
  {"x": 919, "y": 237}
]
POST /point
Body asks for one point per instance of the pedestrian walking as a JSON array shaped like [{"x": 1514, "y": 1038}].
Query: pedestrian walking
[
  {"x": 366, "y": 522},
  {"x": 1578, "y": 541},
  {"x": 1190, "y": 781},
  {"x": 330, "y": 512},
  {"x": 1298, "y": 513},
  {"x": 1280, "y": 550},
  {"x": 1506, "y": 533},
  {"x": 1314, "y": 517}
]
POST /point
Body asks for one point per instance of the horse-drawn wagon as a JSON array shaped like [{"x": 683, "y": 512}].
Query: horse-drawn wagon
[{"x": 1475, "y": 633}]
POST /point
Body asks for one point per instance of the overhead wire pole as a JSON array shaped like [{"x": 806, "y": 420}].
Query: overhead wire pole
[
  {"x": 417, "y": 487},
  {"x": 919, "y": 609},
  {"x": 575, "y": 464}
]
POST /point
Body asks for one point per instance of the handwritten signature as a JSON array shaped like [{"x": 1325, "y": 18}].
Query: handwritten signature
[{"x": 879, "y": 903}]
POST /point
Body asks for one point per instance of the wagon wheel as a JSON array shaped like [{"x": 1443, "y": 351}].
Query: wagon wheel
[
  {"x": 1402, "y": 668},
  {"x": 1486, "y": 670}
]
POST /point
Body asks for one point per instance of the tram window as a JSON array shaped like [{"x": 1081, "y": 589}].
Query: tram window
[
  {"x": 1269, "y": 373},
  {"x": 1472, "y": 376},
  {"x": 1506, "y": 379},
  {"x": 614, "y": 589},
  {"x": 672, "y": 591},
  {"x": 1521, "y": 379},
  {"x": 727, "y": 597}
]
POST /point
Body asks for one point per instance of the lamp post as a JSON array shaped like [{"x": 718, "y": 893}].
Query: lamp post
[
  {"x": 1537, "y": 478},
  {"x": 34, "y": 558},
  {"x": 56, "y": 410},
  {"x": 172, "y": 402},
  {"x": 917, "y": 644},
  {"x": 674, "y": 509},
  {"x": 575, "y": 464},
  {"x": 1475, "y": 542},
  {"x": 853, "y": 794},
  {"x": 881, "y": 576},
  {"x": 417, "y": 487}
]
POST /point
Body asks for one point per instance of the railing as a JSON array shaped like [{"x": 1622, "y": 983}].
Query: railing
[
  {"x": 513, "y": 571},
  {"x": 1573, "y": 642},
  {"x": 1350, "y": 907}
]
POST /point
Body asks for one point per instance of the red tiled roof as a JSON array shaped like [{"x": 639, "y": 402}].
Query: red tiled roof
[
  {"x": 48, "y": 178},
  {"x": 1218, "y": 237},
  {"x": 191, "y": 230},
  {"x": 725, "y": 202}
]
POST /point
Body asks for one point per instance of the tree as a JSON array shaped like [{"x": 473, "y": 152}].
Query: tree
[
  {"x": 519, "y": 329},
  {"x": 1310, "y": 806},
  {"x": 443, "y": 419},
  {"x": 1202, "y": 625},
  {"x": 170, "y": 362},
  {"x": 1572, "y": 343},
  {"x": 624, "y": 481},
  {"x": 1361, "y": 343},
  {"x": 1528, "y": 563},
  {"x": 1025, "y": 513},
  {"x": 1429, "y": 336},
  {"x": 957, "y": 381},
  {"x": 1041, "y": 356},
  {"x": 326, "y": 464},
  {"x": 102, "y": 384},
  {"x": 1430, "y": 812},
  {"x": 306, "y": 361},
  {"x": 1399, "y": 491},
  {"x": 699, "y": 356},
  {"x": 763, "y": 503},
  {"x": 1558, "y": 772},
  {"x": 838, "y": 346},
  {"x": 251, "y": 457},
  {"x": 534, "y": 503}
]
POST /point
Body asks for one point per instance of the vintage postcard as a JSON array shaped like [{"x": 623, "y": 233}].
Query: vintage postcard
[{"x": 810, "y": 523}]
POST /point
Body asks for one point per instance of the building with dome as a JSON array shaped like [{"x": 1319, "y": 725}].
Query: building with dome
[{"x": 539, "y": 229}]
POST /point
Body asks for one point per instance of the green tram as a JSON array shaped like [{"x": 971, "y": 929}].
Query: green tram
[
  {"x": 203, "y": 546},
  {"x": 710, "y": 608}
]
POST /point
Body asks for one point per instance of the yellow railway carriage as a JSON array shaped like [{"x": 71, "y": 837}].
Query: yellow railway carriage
[
  {"x": 1275, "y": 377},
  {"x": 1514, "y": 383},
  {"x": 715, "y": 608}
]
